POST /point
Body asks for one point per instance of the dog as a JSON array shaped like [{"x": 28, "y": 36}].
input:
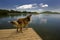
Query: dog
[{"x": 22, "y": 22}]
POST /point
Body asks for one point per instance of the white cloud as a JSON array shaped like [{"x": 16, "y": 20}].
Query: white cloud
[
  {"x": 43, "y": 5},
  {"x": 27, "y": 6}
]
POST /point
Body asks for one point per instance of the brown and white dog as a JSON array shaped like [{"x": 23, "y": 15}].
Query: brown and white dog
[{"x": 21, "y": 22}]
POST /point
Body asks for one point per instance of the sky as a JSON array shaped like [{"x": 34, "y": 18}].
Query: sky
[{"x": 31, "y": 5}]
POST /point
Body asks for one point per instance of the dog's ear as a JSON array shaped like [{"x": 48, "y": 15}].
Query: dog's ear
[{"x": 29, "y": 15}]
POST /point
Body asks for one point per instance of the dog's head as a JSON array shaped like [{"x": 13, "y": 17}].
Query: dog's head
[{"x": 28, "y": 17}]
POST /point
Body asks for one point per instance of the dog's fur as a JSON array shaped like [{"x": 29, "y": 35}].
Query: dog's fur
[{"x": 21, "y": 22}]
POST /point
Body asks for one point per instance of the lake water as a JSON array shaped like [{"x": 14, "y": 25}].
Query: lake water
[{"x": 46, "y": 25}]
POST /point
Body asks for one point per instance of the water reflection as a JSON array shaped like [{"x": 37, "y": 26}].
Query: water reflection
[{"x": 43, "y": 20}]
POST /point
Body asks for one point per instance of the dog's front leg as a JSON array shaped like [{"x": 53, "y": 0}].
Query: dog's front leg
[
  {"x": 17, "y": 29},
  {"x": 26, "y": 27},
  {"x": 21, "y": 29}
]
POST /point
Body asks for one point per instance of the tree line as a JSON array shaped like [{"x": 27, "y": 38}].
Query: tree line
[{"x": 6, "y": 12}]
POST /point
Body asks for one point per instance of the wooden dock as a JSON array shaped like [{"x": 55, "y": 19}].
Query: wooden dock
[{"x": 11, "y": 34}]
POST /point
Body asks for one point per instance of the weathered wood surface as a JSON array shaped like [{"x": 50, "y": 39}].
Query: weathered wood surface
[{"x": 11, "y": 34}]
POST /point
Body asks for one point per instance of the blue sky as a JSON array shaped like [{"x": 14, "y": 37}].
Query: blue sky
[{"x": 31, "y": 5}]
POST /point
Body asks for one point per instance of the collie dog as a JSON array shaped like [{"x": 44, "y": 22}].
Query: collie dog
[{"x": 21, "y": 22}]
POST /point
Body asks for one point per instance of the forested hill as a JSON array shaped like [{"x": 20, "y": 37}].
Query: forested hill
[{"x": 49, "y": 12}]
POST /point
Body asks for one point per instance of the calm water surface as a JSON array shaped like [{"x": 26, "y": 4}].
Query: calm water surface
[{"x": 46, "y": 25}]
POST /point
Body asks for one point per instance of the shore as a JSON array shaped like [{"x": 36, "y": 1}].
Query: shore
[{"x": 11, "y": 34}]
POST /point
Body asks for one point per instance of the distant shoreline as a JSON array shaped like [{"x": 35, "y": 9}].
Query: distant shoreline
[{"x": 13, "y": 12}]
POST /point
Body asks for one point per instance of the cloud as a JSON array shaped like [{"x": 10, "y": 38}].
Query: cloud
[
  {"x": 27, "y": 6},
  {"x": 31, "y": 7},
  {"x": 43, "y": 5}
]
